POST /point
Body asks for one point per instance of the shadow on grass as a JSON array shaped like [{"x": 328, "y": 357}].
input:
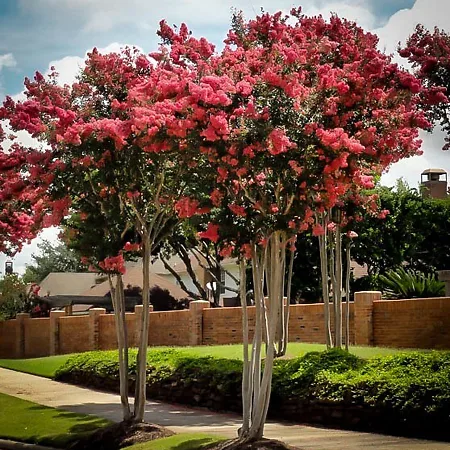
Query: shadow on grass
[{"x": 86, "y": 425}]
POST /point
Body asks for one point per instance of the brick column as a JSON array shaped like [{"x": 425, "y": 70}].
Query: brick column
[
  {"x": 94, "y": 314},
  {"x": 54, "y": 331},
  {"x": 138, "y": 309},
  {"x": 20, "y": 342},
  {"x": 196, "y": 321},
  {"x": 364, "y": 316},
  {"x": 444, "y": 275}
]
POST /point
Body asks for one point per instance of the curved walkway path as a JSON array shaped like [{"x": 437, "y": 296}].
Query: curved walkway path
[{"x": 183, "y": 419}]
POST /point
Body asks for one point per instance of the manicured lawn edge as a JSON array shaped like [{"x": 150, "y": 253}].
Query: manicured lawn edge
[
  {"x": 407, "y": 394},
  {"x": 25, "y": 421},
  {"x": 43, "y": 367}
]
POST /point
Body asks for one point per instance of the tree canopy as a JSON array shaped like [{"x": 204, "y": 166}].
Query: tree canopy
[{"x": 429, "y": 54}]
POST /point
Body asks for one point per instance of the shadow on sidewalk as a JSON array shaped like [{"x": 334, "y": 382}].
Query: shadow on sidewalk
[{"x": 161, "y": 413}]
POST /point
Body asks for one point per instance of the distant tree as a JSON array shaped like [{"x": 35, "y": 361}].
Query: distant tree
[
  {"x": 306, "y": 270},
  {"x": 52, "y": 258},
  {"x": 13, "y": 297},
  {"x": 412, "y": 231}
]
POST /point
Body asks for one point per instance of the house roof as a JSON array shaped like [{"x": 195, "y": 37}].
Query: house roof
[
  {"x": 179, "y": 267},
  {"x": 67, "y": 283},
  {"x": 133, "y": 277}
]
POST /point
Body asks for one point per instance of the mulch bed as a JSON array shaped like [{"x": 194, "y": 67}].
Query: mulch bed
[
  {"x": 262, "y": 444},
  {"x": 119, "y": 435}
]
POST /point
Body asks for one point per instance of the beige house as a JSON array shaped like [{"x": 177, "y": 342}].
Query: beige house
[
  {"x": 133, "y": 278},
  {"x": 67, "y": 283},
  {"x": 229, "y": 275}
]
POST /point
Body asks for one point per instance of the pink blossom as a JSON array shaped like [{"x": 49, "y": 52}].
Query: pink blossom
[
  {"x": 238, "y": 210},
  {"x": 129, "y": 247},
  {"x": 279, "y": 142},
  {"x": 318, "y": 230},
  {"x": 211, "y": 233},
  {"x": 186, "y": 207}
]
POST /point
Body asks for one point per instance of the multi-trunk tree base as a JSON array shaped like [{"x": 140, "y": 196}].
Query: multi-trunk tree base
[{"x": 258, "y": 444}]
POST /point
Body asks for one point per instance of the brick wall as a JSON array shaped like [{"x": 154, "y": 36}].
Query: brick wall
[
  {"x": 74, "y": 334},
  {"x": 8, "y": 339},
  {"x": 107, "y": 337},
  {"x": 169, "y": 328},
  {"x": 37, "y": 337},
  {"x": 418, "y": 323}
]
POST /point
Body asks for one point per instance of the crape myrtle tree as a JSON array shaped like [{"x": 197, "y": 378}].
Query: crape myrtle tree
[
  {"x": 293, "y": 114},
  {"x": 121, "y": 133},
  {"x": 429, "y": 54}
]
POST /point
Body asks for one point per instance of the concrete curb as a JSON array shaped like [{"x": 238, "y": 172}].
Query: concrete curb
[{"x": 14, "y": 445}]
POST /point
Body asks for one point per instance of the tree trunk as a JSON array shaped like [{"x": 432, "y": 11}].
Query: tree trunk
[
  {"x": 141, "y": 365},
  {"x": 246, "y": 371},
  {"x": 285, "y": 310},
  {"x": 323, "y": 251},
  {"x": 267, "y": 264},
  {"x": 118, "y": 301},
  {"x": 338, "y": 289},
  {"x": 347, "y": 296}
]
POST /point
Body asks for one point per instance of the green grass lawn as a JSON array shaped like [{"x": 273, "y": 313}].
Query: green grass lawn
[
  {"x": 182, "y": 441},
  {"x": 294, "y": 349},
  {"x": 43, "y": 367},
  {"x": 47, "y": 366},
  {"x": 21, "y": 420}
]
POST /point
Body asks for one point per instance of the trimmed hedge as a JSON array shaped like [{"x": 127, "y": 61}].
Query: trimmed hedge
[{"x": 402, "y": 394}]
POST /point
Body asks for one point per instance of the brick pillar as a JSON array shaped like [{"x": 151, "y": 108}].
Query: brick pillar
[
  {"x": 94, "y": 314},
  {"x": 54, "y": 331},
  {"x": 196, "y": 321},
  {"x": 20, "y": 342},
  {"x": 364, "y": 316},
  {"x": 138, "y": 309},
  {"x": 444, "y": 275}
]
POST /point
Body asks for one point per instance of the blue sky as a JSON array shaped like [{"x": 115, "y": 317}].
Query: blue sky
[{"x": 35, "y": 34}]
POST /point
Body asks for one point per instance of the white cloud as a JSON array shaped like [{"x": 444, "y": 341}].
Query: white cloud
[
  {"x": 70, "y": 66},
  {"x": 411, "y": 168},
  {"x": 7, "y": 60},
  {"x": 430, "y": 13},
  {"x": 358, "y": 12}
]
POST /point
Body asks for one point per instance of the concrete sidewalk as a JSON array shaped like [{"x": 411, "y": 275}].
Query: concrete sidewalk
[{"x": 182, "y": 419}]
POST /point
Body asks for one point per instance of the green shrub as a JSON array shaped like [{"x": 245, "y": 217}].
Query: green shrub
[
  {"x": 295, "y": 376},
  {"x": 407, "y": 283},
  {"x": 405, "y": 393}
]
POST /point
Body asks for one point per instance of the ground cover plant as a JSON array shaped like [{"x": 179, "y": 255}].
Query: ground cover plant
[
  {"x": 25, "y": 421},
  {"x": 48, "y": 366},
  {"x": 406, "y": 393}
]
